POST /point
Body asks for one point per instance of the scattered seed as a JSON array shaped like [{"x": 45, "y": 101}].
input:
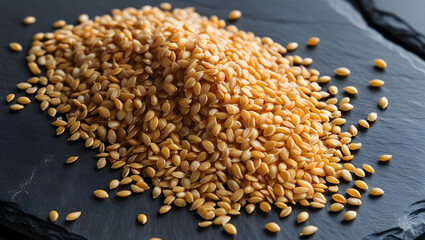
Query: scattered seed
[
  {"x": 349, "y": 166},
  {"x": 23, "y": 86},
  {"x": 101, "y": 194},
  {"x": 83, "y": 18},
  {"x": 354, "y": 146},
  {"x": 272, "y": 227},
  {"x": 205, "y": 224},
  {"x": 230, "y": 228},
  {"x": 385, "y": 158},
  {"x": 302, "y": 217},
  {"x": 333, "y": 90},
  {"x": 101, "y": 163},
  {"x": 372, "y": 117},
  {"x": 333, "y": 189},
  {"x": 142, "y": 218},
  {"x": 24, "y": 100},
  {"x": 359, "y": 172},
  {"x": 292, "y": 46},
  {"x": 307, "y": 61},
  {"x": 351, "y": 90},
  {"x": 234, "y": 15},
  {"x": 123, "y": 193},
  {"x": 165, "y": 6},
  {"x": 380, "y": 63},
  {"x": 73, "y": 216},
  {"x": 309, "y": 230},
  {"x": 59, "y": 24},
  {"x": 29, "y": 20},
  {"x": 156, "y": 192},
  {"x": 336, "y": 207},
  {"x": 165, "y": 209},
  {"x": 376, "y": 83},
  {"x": 354, "y": 201},
  {"x": 353, "y": 130},
  {"x": 114, "y": 184},
  {"x": 368, "y": 168},
  {"x": 14, "y": 46},
  {"x": 354, "y": 192},
  {"x": 16, "y": 107},
  {"x": 361, "y": 184},
  {"x": 364, "y": 123},
  {"x": 313, "y": 41},
  {"x": 338, "y": 198},
  {"x": 10, "y": 97},
  {"x": 53, "y": 215},
  {"x": 383, "y": 102},
  {"x": 349, "y": 215},
  {"x": 346, "y": 107},
  {"x": 285, "y": 212},
  {"x": 265, "y": 207},
  {"x": 346, "y": 175},
  {"x": 376, "y": 192},
  {"x": 324, "y": 79},
  {"x": 71, "y": 159},
  {"x": 342, "y": 71}
]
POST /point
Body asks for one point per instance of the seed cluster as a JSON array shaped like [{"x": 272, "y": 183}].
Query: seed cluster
[{"x": 218, "y": 118}]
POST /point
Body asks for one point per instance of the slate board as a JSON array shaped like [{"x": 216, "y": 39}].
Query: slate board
[{"x": 33, "y": 174}]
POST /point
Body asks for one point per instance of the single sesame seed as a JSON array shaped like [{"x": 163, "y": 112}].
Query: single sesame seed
[
  {"x": 234, "y": 15},
  {"x": 313, "y": 41}
]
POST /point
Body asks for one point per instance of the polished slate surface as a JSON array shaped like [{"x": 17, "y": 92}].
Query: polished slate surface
[{"x": 34, "y": 176}]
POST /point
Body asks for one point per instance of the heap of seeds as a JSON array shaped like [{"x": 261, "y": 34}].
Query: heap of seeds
[{"x": 217, "y": 117}]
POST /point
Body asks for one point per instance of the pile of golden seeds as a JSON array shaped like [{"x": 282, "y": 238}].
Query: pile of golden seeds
[{"x": 217, "y": 118}]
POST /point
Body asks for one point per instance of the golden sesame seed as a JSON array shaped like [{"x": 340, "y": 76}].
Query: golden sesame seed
[
  {"x": 14, "y": 46},
  {"x": 368, "y": 168},
  {"x": 292, "y": 46},
  {"x": 380, "y": 63},
  {"x": 234, "y": 15},
  {"x": 354, "y": 201},
  {"x": 73, "y": 216},
  {"x": 59, "y": 23},
  {"x": 313, "y": 41},
  {"x": 29, "y": 20},
  {"x": 309, "y": 230},
  {"x": 302, "y": 217},
  {"x": 71, "y": 159},
  {"x": 364, "y": 123},
  {"x": 383, "y": 102},
  {"x": 338, "y": 198},
  {"x": 372, "y": 117},
  {"x": 101, "y": 193},
  {"x": 16, "y": 107},
  {"x": 53, "y": 215},
  {"x": 376, "y": 82},
  {"x": 351, "y": 90},
  {"x": 272, "y": 227},
  {"x": 349, "y": 215},
  {"x": 165, "y": 6},
  {"x": 142, "y": 218},
  {"x": 324, "y": 79},
  {"x": 285, "y": 212},
  {"x": 342, "y": 71},
  {"x": 336, "y": 207},
  {"x": 376, "y": 192},
  {"x": 230, "y": 228},
  {"x": 10, "y": 97},
  {"x": 385, "y": 158},
  {"x": 24, "y": 100}
]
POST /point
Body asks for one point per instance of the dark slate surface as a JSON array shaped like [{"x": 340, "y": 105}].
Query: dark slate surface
[{"x": 33, "y": 174}]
